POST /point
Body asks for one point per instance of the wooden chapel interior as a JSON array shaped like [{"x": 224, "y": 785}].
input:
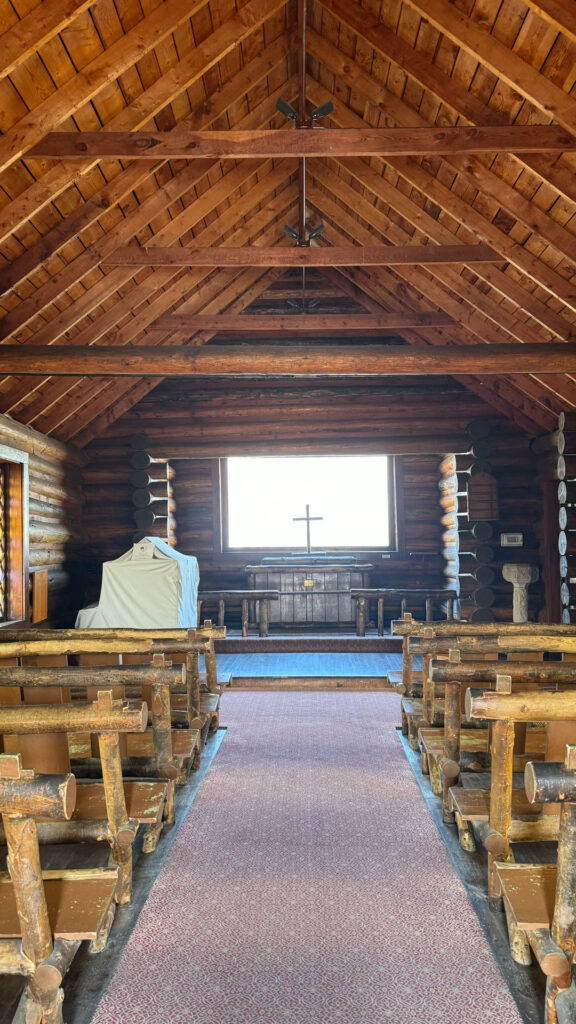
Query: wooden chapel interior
[{"x": 97, "y": 258}]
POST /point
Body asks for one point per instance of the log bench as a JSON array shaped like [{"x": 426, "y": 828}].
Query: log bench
[
  {"x": 246, "y": 599},
  {"x": 404, "y": 597},
  {"x": 44, "y": 915},
  {"x": 504, "y": 709},
  {"x": 445, "y": 752},
  {"x": 142, "y": 752},
  {"x": 540, "y": 900},
  {"x": 102, "y": 811},
  {"x": 522, "y": 645}
]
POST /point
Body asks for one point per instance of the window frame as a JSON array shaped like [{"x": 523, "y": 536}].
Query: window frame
[
  {"x": 395, "y": 516},
  {"x": 15, "y": 464}
]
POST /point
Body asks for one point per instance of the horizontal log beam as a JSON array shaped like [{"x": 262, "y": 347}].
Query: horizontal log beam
[
  {"x": 336, "y": 142},
  {"x": 297, "y": 323},
  {"x": 278, "y": 360},
  {"x": 300, "y": 256}
]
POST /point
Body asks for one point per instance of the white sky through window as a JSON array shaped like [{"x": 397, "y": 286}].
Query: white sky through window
[{"x": 350, "y": 492}]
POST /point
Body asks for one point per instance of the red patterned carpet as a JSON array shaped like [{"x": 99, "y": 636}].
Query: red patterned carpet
[{"x": 306, "y": 885}]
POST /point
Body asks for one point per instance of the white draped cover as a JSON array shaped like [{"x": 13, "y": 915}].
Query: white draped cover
[{"x": 146, "y": 594}]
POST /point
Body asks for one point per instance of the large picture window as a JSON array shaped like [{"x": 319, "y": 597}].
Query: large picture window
[{"x": 353, "y": 495}]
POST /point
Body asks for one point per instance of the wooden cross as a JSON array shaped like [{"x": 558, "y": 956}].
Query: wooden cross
[{"x": 307, "y": 519}]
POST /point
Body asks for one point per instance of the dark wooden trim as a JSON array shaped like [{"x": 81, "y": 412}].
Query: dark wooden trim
[{"x": 282, "y": 142}]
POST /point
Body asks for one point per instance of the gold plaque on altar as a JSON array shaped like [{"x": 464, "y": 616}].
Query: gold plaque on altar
[{"x": 308, "y": 583}]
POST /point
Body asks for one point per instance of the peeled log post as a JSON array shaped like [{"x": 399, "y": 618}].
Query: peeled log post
[
  {"x": 162, "y": 731},
  {"x": 451, "y": 748},
  {"x": 26, "y": 874},
  {"x": 502, "y": 761},
  {"x": 192, "y": 686},
  {"x": 123, "y": 829}
]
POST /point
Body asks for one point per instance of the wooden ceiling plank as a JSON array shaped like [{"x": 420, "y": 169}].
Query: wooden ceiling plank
[
  {"x": 452, "y": 279},
  {"x": 560, "y": 13},
  {"x": 89, "y": 260},
  {"x": 422, "y": 70},
  {"x": 281, "y": 143},
  {"x": 503, "y": 62},
  {"x": 38, "y": 27},
  {"x": 373, "y": 282},
  {"x": 135, "y": 115},
  {"x": 88, "y": 421},
  {"x": 259, "y": 323},
  {"x": 274, "y": 360},
  {"x": 127, "y": 180},
  {"x": 499, "y": 281},
  {"x": 52, "y": 418},
  {"x": 155, "y": 204},
  {"x": 158, "y": 295},
  {"x": 473, "y": 171},
  {"x": 460, "y": 210},
  {"x": 94, "y": 77},
  {"x": 299, "y": 256}
]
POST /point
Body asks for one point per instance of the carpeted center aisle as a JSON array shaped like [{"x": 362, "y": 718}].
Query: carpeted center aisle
[{"x": 308, "y": 885}]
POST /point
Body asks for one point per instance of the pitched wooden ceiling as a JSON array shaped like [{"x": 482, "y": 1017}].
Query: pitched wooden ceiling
[{"x": 125, "y": 65}]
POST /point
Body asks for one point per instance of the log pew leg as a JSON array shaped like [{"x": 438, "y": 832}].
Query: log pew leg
[
  {"x": 519, "y": 945},
  {"x": 221, "y": 611},
  {"x": 360, "y": 616},
  {"x": 123, "y": 829},
  {"x": 99, "y": 942},
  {"x": 380, "y": 616},
  {"x": 169, "y": 814},
  {"x": 264, "y": 616},
  {"x": 435, "y": 776},
  {"x": 424, "y": 763},
  {"x": 245, "y": 617},
  {"x": 404, "y": 725},
  {"x": 413, "y": 727},
  {"x": 42, "y": 998},
  {"x": 465, "y": 833},
  {"x": 152, "y": 834}
]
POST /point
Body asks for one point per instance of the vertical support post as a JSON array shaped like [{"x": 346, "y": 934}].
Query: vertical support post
[
  {"x": 221, "y": 611},
  {"x": 245, "y": 616},
  {"x": 502, "y": 757},
  {"x": 264, "y": 616},
  {"x": 192, "y": 686},
  {"x": 380, "y": 616},
  {"x": 361, "y": 616},
  {"x": 26, "y": 873},
  {"x": 118, "y": 820}
]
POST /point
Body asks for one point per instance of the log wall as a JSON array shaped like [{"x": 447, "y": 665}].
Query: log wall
[
  {"x": 55, "y": 513},
  {"x": 193, "y": 423}
]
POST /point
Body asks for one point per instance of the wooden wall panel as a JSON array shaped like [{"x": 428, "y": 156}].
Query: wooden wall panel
[{"x": 214, "y": 419}]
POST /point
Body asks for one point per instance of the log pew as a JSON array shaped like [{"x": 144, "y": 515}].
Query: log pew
[
  {"x": 509, "y": 817},
  {"x": 183, "y": 645},
  {"x": 101, "y": 808},
  {"x": 467, "y": 806},
  {"x": 140, "y": 750},
  {"x": 403, "y": 597},
  {"x": 44, "y": 915},
  {"x": 159, "y": 752},
  {"x": 429, "y": 711},
  {"x": 540, "y": 900},
  {"x": 425, "y": 720},
  {"x": 408, "y": 627}
]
